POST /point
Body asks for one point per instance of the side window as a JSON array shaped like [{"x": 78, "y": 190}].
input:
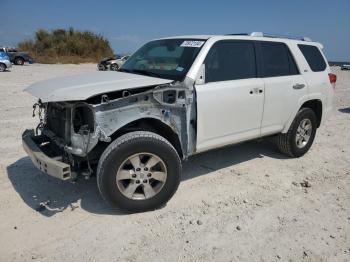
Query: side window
[
  {"x": 230, "y": 60},
  {"x": 277, "y": 60},
  {"x": 293, "y": 69},
  {"x": 313, "y": 57}
]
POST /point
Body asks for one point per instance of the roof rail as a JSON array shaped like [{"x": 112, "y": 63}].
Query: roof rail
[
  {"x": 261, "y": 34},
  {"x": 239, "y": 34}
]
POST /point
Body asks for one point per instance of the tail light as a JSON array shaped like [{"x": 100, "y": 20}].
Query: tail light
[{"x": 332, "y": 78}]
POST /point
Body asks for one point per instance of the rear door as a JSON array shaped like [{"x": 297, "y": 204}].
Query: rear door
[
  {"x": 230, "y": 102},
  {"x": 284, "y": 85}
]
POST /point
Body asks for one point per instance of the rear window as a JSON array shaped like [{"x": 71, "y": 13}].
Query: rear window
[
  {"x": 277, "y": 60},
  {"x": 313, "y": 57}
]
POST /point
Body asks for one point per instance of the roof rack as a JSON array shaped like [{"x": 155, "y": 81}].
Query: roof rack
[{"x": 261, "y": 34}]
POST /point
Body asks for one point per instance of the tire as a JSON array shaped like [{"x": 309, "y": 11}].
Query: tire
[
  {"x": 114, "y": 67},
  {"x": 287, "y": 143},
  {"x": 19, "y": 61},
  {"x": 2, "y": 67},
  {"x": 115, "y": 158},
  {"x": 101, "y": 67}
]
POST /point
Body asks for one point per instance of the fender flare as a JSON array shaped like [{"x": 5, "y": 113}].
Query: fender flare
[
  {"x": 175, "y": 139},
  {"x": 302, "y": 100}
]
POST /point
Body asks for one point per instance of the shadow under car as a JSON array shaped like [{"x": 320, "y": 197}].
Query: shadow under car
[{"x": 48, "y": 195}]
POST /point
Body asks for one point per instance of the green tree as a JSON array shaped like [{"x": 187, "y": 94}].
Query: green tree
[{"x": 66, "y": 46}]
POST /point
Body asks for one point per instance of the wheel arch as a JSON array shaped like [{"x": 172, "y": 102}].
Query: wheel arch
[
  {"x": 316, "y": 106},
  {"x": 314, "y": 102},
  {"x": 19, "y": 56},
  {"x": 154, "y": 125}
]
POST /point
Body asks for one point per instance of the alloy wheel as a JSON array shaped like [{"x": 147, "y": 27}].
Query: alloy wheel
[
  {"x": 141, "y": 176},
  {"x": 304, "y": 132}
]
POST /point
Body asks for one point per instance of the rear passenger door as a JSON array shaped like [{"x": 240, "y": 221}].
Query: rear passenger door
[
  {"x": 284, "y": 85},
  {"x": 230, "y": 102}
]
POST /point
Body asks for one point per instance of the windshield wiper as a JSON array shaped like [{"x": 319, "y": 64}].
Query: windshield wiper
[{"x": 144, "y": 72}]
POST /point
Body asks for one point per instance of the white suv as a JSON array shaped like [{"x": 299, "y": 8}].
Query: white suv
[{"x": 193, "y": 94}]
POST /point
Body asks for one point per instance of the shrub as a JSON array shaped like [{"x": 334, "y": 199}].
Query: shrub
[{"x": 66, "y": 46}]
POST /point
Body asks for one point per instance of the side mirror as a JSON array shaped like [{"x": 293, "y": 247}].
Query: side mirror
[{"x": 201, "y": 75}]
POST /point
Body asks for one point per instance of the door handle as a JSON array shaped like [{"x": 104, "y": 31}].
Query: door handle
[
  {"x": 298, "y": 86},
  {"x": 255, "y": 90}
]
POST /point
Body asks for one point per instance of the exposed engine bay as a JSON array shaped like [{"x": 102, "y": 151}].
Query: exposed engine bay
[{"x": 77, "y": 132}]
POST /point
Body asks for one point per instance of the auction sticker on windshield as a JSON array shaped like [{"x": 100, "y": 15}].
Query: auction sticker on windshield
[{"x": 192, "y": 44}]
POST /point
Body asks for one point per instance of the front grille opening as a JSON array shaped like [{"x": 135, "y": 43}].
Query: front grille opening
[
  {"x": 83, "y": 119},
  {"x": 56, "y": 119}
]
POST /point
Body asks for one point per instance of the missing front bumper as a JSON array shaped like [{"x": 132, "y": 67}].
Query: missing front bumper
[{"x": 32, "y": 144}]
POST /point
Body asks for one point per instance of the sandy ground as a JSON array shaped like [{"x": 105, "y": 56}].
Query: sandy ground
[{"x": 241, "y": 203}]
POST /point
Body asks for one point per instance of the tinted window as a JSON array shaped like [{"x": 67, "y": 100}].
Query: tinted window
[
  {"x": 277, "y": 60},
  {"x": 313, "y": 57},
  {"x": 229, "y": 60},
  {"x": 293, "y": 69}
]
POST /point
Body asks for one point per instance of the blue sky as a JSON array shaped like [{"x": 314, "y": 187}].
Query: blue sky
[{"x": 128, "y": 24}]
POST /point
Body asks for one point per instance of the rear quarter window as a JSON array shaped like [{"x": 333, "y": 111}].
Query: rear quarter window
[{"x": 313, "y": 57}]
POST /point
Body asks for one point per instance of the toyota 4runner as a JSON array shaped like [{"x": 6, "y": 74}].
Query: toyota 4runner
[{"x": 173, "y": 98}]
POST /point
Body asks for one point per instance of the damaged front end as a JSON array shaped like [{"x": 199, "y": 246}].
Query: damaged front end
[
  {"x": 72, "y": 135},
  {"x": 66, "y": 133}
]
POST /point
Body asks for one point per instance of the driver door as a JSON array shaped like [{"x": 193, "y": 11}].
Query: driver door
[{"x": 231, "y": 99}]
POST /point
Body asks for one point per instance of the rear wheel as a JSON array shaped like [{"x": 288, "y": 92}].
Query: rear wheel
[
  {"x": 300, "y": 136},
  {"x": 139, "y": 171},
  {"x": 19, "y": 61},
  {"x": 2, "y": 67}
]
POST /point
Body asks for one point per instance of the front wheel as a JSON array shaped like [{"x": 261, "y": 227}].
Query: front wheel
[
  {"x": 300, "y": 136},
  {"x": 2, "y": 67},
  {"x": 114, "y": 67},
  {"x": 101, "y": 67},
  {"x": 19, "y": 61},
  {"x": 139, "y": 171}
]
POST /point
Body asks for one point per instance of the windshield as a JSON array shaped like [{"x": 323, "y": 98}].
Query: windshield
[{"x": 168, "y": 58}]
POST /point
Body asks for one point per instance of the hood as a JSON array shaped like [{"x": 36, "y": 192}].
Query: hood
[
  {"x": 6, "y": 61},
  {"x": 107, "y": 59},
  {"x": 82, "y": 87}
]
